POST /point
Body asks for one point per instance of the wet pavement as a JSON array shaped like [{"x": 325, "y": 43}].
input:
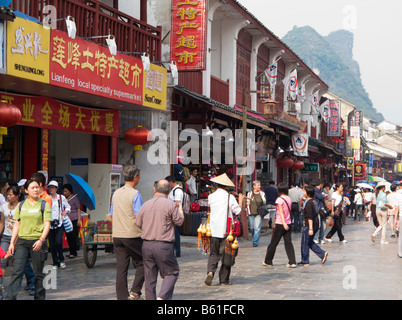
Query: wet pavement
[{"x": 359, "y": 269}]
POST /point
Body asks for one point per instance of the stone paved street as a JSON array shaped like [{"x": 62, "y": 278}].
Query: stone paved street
[{"x": 358, "y": 269}]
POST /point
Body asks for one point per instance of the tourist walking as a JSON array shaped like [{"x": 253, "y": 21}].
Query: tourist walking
[
  {"x": 392, "y": 199},
  {"x": 255, "y": 199},
  {"x": 158, "y": 218},
  {"x": 359, "y": 204},
  {"x": 320, "y": 195},
  {"x": 75, "y": 217},
  {"x": 222, "y": 205},
  {"x": 336, "y": 213},
  {"x": 60, "y": 207},
  {"x": 311, "y": 224},
  {"x": 282, "y": 228},
  {"x": 382, "y": 212},
  {"x": 31, "y": 227},
  {"x": 127, "y": 242}
]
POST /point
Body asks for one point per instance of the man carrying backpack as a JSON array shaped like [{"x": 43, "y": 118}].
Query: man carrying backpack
[{"x": 177, "y": 195}]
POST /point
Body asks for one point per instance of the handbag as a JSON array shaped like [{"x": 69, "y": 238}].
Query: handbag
[
  {"x": 233, "y": 225},
  {"x": 262, "y": 210},
  {"x": 337, "y": 210},
  {"x": 68, "y": 226},
  {"x": 324, "y": 213},
  {"x": 229, "y": 254}
]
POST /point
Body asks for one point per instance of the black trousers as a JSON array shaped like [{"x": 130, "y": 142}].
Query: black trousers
[
  {"x": 277, "y": 234},
  {"x": 217, "y": 247},
  {"x": 336, "y": 228},
  {"x": 124, "y": 249},
  {"x": 72, "y": 238}
]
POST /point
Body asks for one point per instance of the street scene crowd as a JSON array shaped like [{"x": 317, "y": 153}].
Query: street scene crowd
[{"x": 33, "y": 221}]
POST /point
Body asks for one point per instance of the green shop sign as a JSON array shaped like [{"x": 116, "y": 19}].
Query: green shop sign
[{"x": 311, "y": 167}]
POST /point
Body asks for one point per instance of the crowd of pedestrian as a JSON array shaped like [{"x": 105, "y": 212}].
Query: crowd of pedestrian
[
  {"x": 31, "y": 225},
  {"x": 148, "y": 232}
]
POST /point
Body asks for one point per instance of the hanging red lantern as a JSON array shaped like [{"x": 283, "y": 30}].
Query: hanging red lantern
[
  {"x": 285, "y": 163},
  {"x": 322, "y": 161},
  {"x": 10, "y": 115},
  {"x": 297, "y": 165},
  {"x": 137, "y": 136}
]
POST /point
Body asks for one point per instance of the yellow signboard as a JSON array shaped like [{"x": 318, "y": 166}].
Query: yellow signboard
[
  {"x": 28, "y": 49},
  {"x": 155, "y": 87}
]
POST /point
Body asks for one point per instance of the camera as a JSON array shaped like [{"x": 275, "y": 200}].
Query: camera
[{"x": 55, "y": 223}]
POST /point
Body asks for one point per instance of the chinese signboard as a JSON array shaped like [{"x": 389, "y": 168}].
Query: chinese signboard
[
  {"x": 187, "y": 44},
  {"x": 87, "y": 67},
  {"x": 360, "y": 171},
  {"x": 47, "y": 113},
  {"x": 155, "y": 87},
  {"x": 45, "y": 149},
  {"x": 28, "y": 50},
  {"x": 334, "y": 122}
]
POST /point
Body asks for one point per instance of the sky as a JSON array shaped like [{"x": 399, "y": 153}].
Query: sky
[{"x": 377, "y": 38}]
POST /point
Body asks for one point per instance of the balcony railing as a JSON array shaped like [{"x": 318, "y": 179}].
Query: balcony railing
[{"x": 94, "y": 18}]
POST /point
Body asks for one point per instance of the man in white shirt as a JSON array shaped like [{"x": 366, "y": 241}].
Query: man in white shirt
[
  {"x": 192, "y": 185},
  {"x": 176, "y": 195},
  {"x": 296, "y": 194},
  {"x": 222, "y": 205}
]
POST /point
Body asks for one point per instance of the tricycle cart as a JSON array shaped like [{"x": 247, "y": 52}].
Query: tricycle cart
[{"x": 96, "y": 239}]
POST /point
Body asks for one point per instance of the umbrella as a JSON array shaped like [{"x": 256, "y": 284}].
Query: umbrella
[
  {"x": 362, "y": 181},
  {"x": 364, "y": 186},
  {"x": 375, "y": 179},
  {"x": 82, "y": 189}
]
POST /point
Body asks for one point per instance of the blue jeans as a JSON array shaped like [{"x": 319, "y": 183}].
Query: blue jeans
[
  {"x": 255, "y": 223},
  {"x": 307, "y": 243}
]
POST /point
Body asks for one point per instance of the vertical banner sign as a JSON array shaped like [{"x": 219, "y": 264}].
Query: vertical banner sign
[
  {"x": 351, "y": 163},
  {"x": 334, "y": 122},
  {"x": 187, "y": 38},
  {"x": 28, "y": 50},
  {"x": 371, "y": 162},
  {"x": 45, "y": 149},
  {"x": 300, "y": 144}
]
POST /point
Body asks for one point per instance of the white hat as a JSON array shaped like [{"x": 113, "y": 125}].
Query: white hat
[
  {"x": 22, "y": 182},
  {"x": 53, "y": 183},
  {"x": 223, "y": 179}
]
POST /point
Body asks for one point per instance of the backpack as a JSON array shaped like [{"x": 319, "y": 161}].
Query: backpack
[
  {"x": 186, "y": 203},
  {"x": 42, "y": 206}
]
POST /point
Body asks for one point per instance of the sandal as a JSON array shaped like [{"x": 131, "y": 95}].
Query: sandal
[{"x": 134, "y": 296}]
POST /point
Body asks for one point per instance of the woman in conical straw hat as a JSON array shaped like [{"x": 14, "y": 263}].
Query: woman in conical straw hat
[{"x": 222, "y": 204}]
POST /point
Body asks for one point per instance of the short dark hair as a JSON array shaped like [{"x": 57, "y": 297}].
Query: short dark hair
[
  {"x": 170, "y": 179},
  {"x": 283, "y": 188},
  {"x": 68, "y": 186},
  {"x": 310, "y": 190},
  {"x": 40, "y": 178},
  {"x": 393, "y": 187},
  {"x": 272, "y": 182},
  {"x": 29, "y": 181},
  {"x": 15, "y": 189}
]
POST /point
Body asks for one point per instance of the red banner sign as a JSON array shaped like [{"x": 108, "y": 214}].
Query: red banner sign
[
  {"x": 48, "y": 113},
  {"x": 45, "y": 149},
  {"x": 87, "y": 67},
  {"x": 187, "y": 44}
]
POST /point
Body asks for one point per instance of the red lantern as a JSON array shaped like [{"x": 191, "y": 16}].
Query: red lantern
[
  {"x": 285, "y": 163},
  {"x": 297, "y": 165},
  {"x": 10, "y": 115},
  {"x": 322, "y": 161},
  {"x": 137, "y": 136}
]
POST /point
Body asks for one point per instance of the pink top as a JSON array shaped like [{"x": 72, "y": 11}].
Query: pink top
[
  {"x": 286, "y": 212},
  {"x": 2, "y": 254}
]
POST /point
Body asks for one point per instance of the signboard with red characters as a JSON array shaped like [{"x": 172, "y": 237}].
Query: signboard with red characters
[
  {"x": 187, "y": 44},
  {"x": 87, "y": 67},
  {"x": 334, "y": 122}
]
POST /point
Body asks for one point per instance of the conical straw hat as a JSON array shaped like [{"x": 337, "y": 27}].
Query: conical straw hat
[{"x": 224, "y": 180}]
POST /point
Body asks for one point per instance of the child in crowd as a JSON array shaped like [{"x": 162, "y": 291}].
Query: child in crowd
[{"x": 3, "y": 255}]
